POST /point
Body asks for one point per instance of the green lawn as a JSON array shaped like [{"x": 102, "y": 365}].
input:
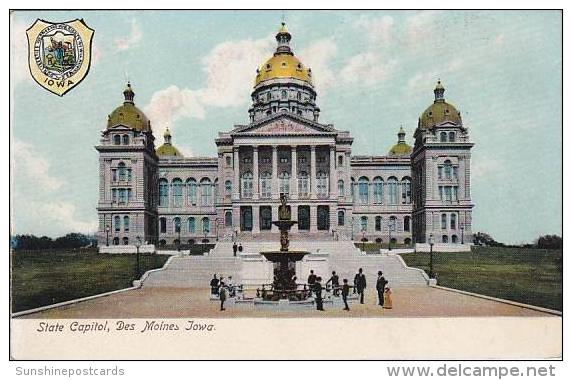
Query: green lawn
[
  {"x": 42, "y": 278},
  {"x": 532, "y": 276}
]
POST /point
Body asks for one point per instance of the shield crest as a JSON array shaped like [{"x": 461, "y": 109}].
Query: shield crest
[{"x": 59, "y": 54}]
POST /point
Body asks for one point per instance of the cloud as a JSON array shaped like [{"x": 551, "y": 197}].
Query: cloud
[
  {"x": 318, "y": 56},
  {"x": 130, "y": 41},
  {"x": 379, "y": 30},
  {"x": 28, "y": 162},
  {"x": 63, "y": 213},
  {"x": 419, "y": 82},
  {"x": 421, "y": 27},
  {"x": 367, "y": 69}
]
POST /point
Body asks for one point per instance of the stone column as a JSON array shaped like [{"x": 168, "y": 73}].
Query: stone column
[
  {"x": 275, "y": 187},
  {"x": 255, "y": 219},
  {"x": 333, "y": 174},
  {"x": 313, "y": 218},
  {"x": 294, "y": 176},
  {"x": 313, "y": 172},
  {"x": 255, "y": 176},
  {"x": 236, "y": 182}
]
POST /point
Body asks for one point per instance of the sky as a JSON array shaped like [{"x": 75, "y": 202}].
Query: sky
[{"x": 193, "y": 71}]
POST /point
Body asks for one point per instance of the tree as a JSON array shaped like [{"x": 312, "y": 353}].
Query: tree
[
  {"x": 549, "y": 242},
  {"x": 482, "y": 238}
]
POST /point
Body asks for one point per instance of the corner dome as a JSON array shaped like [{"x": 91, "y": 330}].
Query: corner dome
[
  {"x": 401, "y": 148},
  {"x": 167, "y": 149},
  {"x": 283, "y": 64},
  {"x": 129, "y": 115},
  {"x": 440, "y": 111}
]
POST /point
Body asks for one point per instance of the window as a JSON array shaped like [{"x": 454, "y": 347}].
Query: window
[
  {"x": 206, "y": 192},
  {"x": 283, "y": 94},
  {"x": 126, "y": 223},
  {"x": 163, "y": 192},
  {"x": 454, "y": 239},
  {"x": 363, "y": 190},
  {"x": 122, "y": 171},
  {"x": 341, "y": 188},
  {"x": 177, "y": 224},
  {"x": 445, "y": 239},
  {"x": 114, "y": 175},
  {"x": 447, "y": 168},
  {"x": 228, "y": 160},
  {"x": 116, "y": 241},
  {"x": 125, "y": 139},
  {"x": 266, "y": 185},
  {"x": 206, "y": 225},
  {"x": 298, "y": 95},
  {"x": 302, "y": 160},
  {"x": 363, "y": 223},
  {"x": 443, "y": 137},
  {"x": 227, "y": 187},
  {"x": 303, "y": 184},
  {"x": 283, "y": 159},
  {"x": 191, "y": 225},
  {"x": 406, "y": 190},
  {"x": 247, "y": 185},
  {"x": 451, "y": 136},
  {"x": 455, "y": 174},
  {"x": 340, "y": 160},
  {"x": 322, "y": 184},
  {"x": 114, "y": 195},
  {"x": 341, "y": 218},
  {"x": 453, "y": 221},
  {"x": 123, "y": 195},
  {"x": 162, "y": 225},
  {"x": 443, "y": 221},
  {"x": 247, "y": 160},
  {"x": 378, "y": 223},
  {"x": 392, "y": 190},
  {"x": 177, "y": 192},
  {"x": 117, "y": 140},
  {"x": 284, "y": 183},
  {"x": 268, "y": 95},
  {"x": 191, "y": 191},
  {"x": 392, "y": 223},
  {"x": 228, "y": 219},
  {"x": 378, "y": 190},
  {"x": 117, "y": 223},
  {"x": 440, "y": 172},
  {"x": 407, "y": 224}
]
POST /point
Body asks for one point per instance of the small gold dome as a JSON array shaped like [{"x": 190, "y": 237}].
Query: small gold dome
[
  {"x": 168, "y": 150},
  {"x": 400, "y": 149},
  {"x": 129, "y": 115}
]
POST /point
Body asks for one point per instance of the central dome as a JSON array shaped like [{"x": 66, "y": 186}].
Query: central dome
[
  {"x": 440, "y": 111},
  {"x": 129, "y": 115},
  {"x": 283, "y": 64}
]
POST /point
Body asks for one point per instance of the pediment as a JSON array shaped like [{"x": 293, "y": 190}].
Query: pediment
[{"x": 285, "y": 125}]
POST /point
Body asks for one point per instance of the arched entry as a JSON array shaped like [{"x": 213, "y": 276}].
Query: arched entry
[
  {"x": 246, "y": 218},
  {"x": 265, "y": 218},
  {"x": 303, "y": 217},
  {"x": 323, "y": 218}
]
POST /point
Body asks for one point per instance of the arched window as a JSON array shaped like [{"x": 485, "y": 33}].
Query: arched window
[
  {"x": 228, "y": 219},
  {"x": 117, "y": 223},
  {"x": 227, "y": 187},
  {"x": 378, "y": 223},
  {"x": 177, "y": 192},
  {"x": 322, "y": 184},
  {"x": 363, "y": 190},
  {"x": 265, "y": 185},
  {"x": 406, "y": 190},
  {"x": 163, "y": 192},
  {"x": 443, "y": 137},
  {"x": 341, "y": 189},
  {"x": 177, "y": 224},
  {"x": 268, "y": 96},
  {"x": 206, "y": 225},
  {"x": 448, "y": 169},
  {"x": 162, "y": 225},
  {"x": 341, "y": 218},
  {"x": 206, "y": 192},
  {"x": 284, "y": 179},
  {"x": 340, "y": 160},
  {"x": 125, "y": 139},
  {"x": 407, "y": 223},
  {"x": 116, "y": 241},
  {"x": 443, "y": 221},
  {"x": 125, "y": 241},
  {"x": 122, "y": 171},
  {"x": 247, "y": 185},
  {"x": 191, "y": 191},
  {"x": 353, "y": 193},
  {"x": 117, "y": 140},
  {"x": 126, "y": 223},
  {"x": 191, "y": 225},
  {"x": 378, "y": 190},
  {"x": 303, "y": 184},
  {"x": 392, "y": 190},
  {"x": 283, "y": 94},
  {"x": 454, "y": 239},
  {"x": 445, "y": 239},
  {"x": 298, "y": 95},
  {"x": 451, "y": 136},
  {"x": 392, "y": 223},
  {"x": 453, "y": 221},
  {"x": 363, "y": 222}
]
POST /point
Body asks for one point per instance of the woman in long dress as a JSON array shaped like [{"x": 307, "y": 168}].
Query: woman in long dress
[{"x": 387, "y": 301}]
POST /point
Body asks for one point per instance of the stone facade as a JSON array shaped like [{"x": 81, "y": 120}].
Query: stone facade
[{"x": 161, "y": 197}]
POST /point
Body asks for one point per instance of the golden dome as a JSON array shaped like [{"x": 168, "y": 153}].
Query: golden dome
[
  {"x": 129, "y": 115},
  {"x": 440, "y": 111},
  {"x": 283, "y": 64},
  {"x": 400, "y": 149},
  {"x": 168, "y": 150}
]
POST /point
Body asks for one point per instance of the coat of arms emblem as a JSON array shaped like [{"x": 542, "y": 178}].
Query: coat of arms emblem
[{"x": 59, "y": 54}]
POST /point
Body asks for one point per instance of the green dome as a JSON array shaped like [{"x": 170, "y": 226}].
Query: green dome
[
  {"x": 129, "y": 115},
  {"x": 400, "y": 149}
]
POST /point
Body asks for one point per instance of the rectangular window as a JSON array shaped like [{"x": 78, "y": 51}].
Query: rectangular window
[
  {"x": 443, "y": 221},
  {"x": 455, "y": 169},
  {"x": 163, "y": 225},
  {"x": 114, "y": 175},
  {"x": 440, "y": 172}
]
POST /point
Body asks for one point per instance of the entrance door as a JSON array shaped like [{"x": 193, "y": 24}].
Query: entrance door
[
  {"x": 323, "y": 218},
  {"x": 265, "y": 218},
  {"x": 246, "y": 218},
  {"x": 304, "y": 218}
]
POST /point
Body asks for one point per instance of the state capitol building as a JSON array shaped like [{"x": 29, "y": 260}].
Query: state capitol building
[{"x": 404, "y": 196}]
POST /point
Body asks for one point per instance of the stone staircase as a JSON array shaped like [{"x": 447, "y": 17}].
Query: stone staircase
[{"x": 343, "y": 257}]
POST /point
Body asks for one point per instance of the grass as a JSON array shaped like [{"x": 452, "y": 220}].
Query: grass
[
  {"x": 531, "y": 276},
  {"x": 41, "y": 278}
]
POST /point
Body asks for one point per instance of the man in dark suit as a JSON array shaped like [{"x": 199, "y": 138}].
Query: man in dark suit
[
  {"x": 380, "y": 287},
  {"x": 318, "y": 292},
  {"x": 234, "y": 249},
  {"x": 345, "y": 294},
  {"x": 214, "y": 285},
  {"x": 360, "y": 284},
  {"x": 335, "y": 280},
  {"x": 311, "y": 280}
]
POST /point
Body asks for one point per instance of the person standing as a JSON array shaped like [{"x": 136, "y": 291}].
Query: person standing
[
  {"x": 318, "y": 292},
  {"x": 380, "y": 287},
  {"x": 214, "y": 285},
  {"x": 234, "y": 249},
  {"x": 239, "y": 247},
  {"x": 230, "y": 287},
  {"x": 360, "y": 284},
  {"x": 335, "y": 280},
  {"x": 388, "y": 304},
  {"x": 222, "y": 295},
  {"x": 311, "y": 280},
  {"x": 345, "y": 294}
]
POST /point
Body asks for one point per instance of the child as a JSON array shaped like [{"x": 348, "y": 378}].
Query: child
[{"x": 387, "y": 302}]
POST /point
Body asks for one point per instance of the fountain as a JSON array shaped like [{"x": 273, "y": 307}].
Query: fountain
[{"x": 284, "y": 286}]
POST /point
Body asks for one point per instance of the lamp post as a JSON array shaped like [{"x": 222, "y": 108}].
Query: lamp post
[
  {"x": 391, "y": 228},
  {"x": 137, "y": 245},
  {"x": 353, "y": 226},
  {"x": 462, "y": 226},
  {"x": 205, "y": 232},
  {"x": 107, "y": 229},
  {"x": 178, "y": 227},
  {"x": 363, "y": 241},
  {"x": 431, "y": 242}
]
